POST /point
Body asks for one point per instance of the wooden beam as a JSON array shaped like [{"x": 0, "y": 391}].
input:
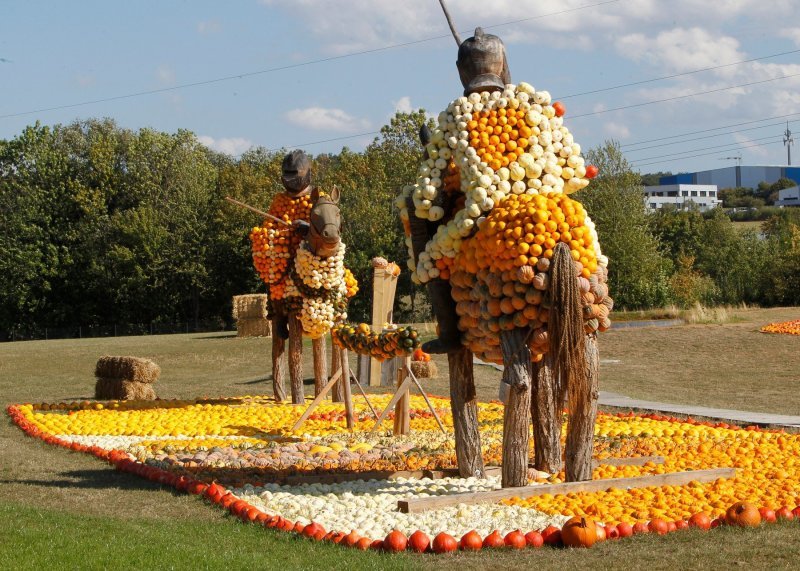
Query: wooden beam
[
  {"x": 674, "y": 479},
  {"x": 318, "y": 399}
]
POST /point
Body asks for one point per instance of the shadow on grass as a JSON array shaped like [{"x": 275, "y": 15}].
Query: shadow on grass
[
  {"x": 218, "y": 336},
  {"x": 96, "y": 480}
]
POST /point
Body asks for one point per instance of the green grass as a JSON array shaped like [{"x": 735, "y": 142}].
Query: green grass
[{"x": 65, "y": 509}]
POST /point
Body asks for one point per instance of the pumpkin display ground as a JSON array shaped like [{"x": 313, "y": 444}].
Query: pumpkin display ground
[
  {"x": 69, "y": 507},
  {"x": 240, "y": 453}
]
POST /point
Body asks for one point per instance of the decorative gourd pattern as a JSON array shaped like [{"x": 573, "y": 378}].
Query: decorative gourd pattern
[{"x": 500, "y": 166}]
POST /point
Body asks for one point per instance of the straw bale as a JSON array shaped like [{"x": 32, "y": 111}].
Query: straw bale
[
  {"x": 250, "y": 306},
  {"x": 424, "y": 370},
  {"x": 253, "y": 328},
  {"x": 114, "y": 389},
  {"x": 127, "y": 369}
]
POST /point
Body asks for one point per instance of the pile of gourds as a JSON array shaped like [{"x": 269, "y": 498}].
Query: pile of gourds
[
  {"x": 498, "y": 171},
  {"x": 393, "y": 341}
]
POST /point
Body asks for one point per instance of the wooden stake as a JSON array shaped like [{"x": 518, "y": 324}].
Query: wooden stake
[
  {"x": 516, "y": 417},
  {"x": 582, "y": 416},
  {"x": 547, "y": 401},
  {"x": 320, "y": 364},
  {"x": 402, "y": 412},
  {"x": 407, "y": 365},
  {"x": 257, "y": 211},
  {"x": 278, "y": 365},
  {"x": 296, "y": 358},
  {"x": 417, "y": 505},
  {"x": 464, "y": 409},
  {"x": 348, "y": 399}
]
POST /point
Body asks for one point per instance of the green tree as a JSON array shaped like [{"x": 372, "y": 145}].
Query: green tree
[{"x": 615, "y": 201}]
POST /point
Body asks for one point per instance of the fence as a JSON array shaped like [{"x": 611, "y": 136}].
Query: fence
[{"x": 116, "y": 330}]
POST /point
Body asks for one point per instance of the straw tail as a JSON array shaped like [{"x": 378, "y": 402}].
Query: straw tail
[{"x": 565, "y": 325}]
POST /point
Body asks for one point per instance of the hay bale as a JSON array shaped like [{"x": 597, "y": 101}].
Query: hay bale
[
  {"x": 250, "y": 306},
  {"x": 133, "y": 369},
  {"x": 114, "y": 389},
  {"x": 423, "y": 370},
  {"x": 254, "y": 327}
]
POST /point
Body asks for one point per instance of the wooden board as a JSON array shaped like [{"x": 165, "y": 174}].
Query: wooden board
[
  {"x": 384, "y": 285},
  {"x": 332, "y": 478},
  {"x": 673, "y": 479}
]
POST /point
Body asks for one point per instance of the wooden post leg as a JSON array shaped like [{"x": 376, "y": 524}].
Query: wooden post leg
[
  {"x": 336, "y": 365},
  {"x": 278, "y": 365},
  {"x": 402, "y": 410},
  {"x": 465, "y": 414},
  {"x": 348, "y": 398},
  {"x": 396, "y": 397},
  {"x": 516, "y": 419},
  {"x": 296, "y": 358},
  {"x": 582, "y": 416},
  {"x": 320, "y": 366},
  {"x": 546, "y": 405},
  {"x": 363, "y": 394}
]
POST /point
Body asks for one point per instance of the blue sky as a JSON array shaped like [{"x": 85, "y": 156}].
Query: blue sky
[{"x": 54, "y": 54}]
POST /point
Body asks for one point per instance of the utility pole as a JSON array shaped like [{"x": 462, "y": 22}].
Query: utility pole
[{"x": 788, "y": 140}]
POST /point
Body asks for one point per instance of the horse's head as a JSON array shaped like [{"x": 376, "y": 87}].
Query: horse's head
[{"x": 323, "y": 235}]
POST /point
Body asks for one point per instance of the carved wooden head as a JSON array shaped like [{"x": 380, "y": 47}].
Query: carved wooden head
[
  {"x": 325, "y": 223},
  {"x": 482, "y": 63},
  {"x": 296, "y": 171}
]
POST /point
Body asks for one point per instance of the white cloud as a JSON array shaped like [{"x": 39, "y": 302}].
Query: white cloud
[
  {"x": 748, "y": 145},
  {"x": 228, "y": 145},
  {"x": 680, "y": 49},
  {"x": 791, "y": 33},
  {"x": 617, "y": 130},
  {"x": 165, "y": 75},
  {"x": 208, "y": 27},
  {"x": 323, "y": 119},
  {"x": 403, "y": 105}
]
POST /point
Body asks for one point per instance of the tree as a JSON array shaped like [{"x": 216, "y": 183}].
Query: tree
[{"x": 615, "y": 201}]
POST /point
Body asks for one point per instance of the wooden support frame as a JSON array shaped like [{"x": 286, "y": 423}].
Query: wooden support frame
[
  {"x": 384, "y": 286},
  {"x": 404, "y": 390},
  {"x": 344, "y": 375},
  {"x": 674, "y": 479}
]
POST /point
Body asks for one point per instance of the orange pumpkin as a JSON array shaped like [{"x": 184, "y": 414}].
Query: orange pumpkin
[
  {"x": 395, "y": 541},
  {"x": 419, "y": 542},
  {"x": 515, "y": 540},
  {"x": 494, "y": 539},
  {"x": 471, "y": 541},
  {"x": 579, "y": 532},
  {"x": 700, "y": 521},
  {"x": 658, "y": 526},
  {"x": 534, "y": 539},
  {"x": 444, "y": 543},
  {"x": 743, "y": 514}
]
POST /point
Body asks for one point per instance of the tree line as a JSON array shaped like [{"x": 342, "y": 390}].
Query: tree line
[{"x": 104, "y": 225}]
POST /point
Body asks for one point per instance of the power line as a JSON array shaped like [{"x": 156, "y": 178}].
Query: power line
[
  {"x": 675, "y": 98},
  {"x": 706, "y": 137},
  {"x": 639, "y": 165},
  {"x": 709, "y": 130},
  {"x": 613, "y": 87},
  {"x": 292, "y": 66},
  {"x": 719, "y": 148},
  {"x": 621, "y": 108}
]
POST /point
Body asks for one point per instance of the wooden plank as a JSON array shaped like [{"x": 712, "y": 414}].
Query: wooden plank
[
  {"x": 403, "y": 388},
  {"x": 407, "y": 365},
  {"x": 628, "y": 461},
  {"x": 674, "y": 479},
  {"x": 318, "y": 399}
]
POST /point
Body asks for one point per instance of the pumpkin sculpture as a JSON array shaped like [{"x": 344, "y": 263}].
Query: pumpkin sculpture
[
  {"x": 512, "y": 263},
  {"x": 302, "y": 262}
]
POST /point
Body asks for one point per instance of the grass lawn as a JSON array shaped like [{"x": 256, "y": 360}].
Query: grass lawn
[{"x": 68, "y": 509}]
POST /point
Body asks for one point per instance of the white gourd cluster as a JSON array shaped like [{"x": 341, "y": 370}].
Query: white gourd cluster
[
  {"x": 550, "y": 164},
  {"x": 318, "y": 314}
]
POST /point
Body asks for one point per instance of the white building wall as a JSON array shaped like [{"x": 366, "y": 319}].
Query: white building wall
[
  {"x": 704, "y": 196},
  {"x": 789, "y": 197}
]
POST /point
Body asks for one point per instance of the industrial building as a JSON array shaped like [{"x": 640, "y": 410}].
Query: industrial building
[
  {"x": 789, "y": 197},
  {"x": 733, "y": 177},
  {"x": 701, "y": 196}
]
